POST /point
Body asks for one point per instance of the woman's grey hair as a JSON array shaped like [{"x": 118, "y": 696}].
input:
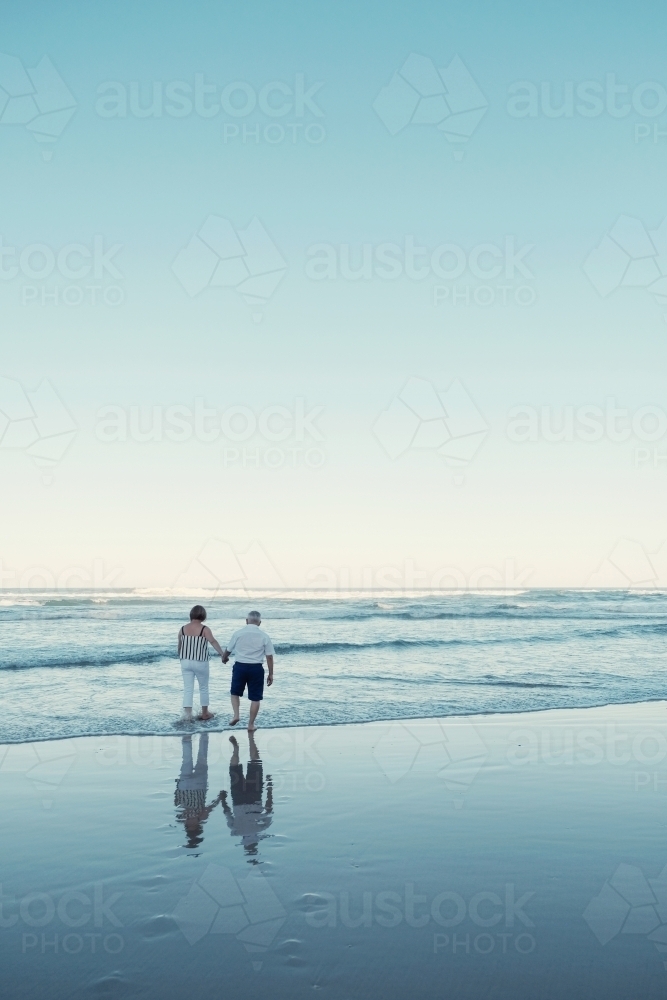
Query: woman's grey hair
[{"x": 254, "y": 616}]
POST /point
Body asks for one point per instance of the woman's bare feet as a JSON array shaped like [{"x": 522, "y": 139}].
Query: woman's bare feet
[
  {"x": 205, "y": 716},
  {"x": 234, "y": 722}
]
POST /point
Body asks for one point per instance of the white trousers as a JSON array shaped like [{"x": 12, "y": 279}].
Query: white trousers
[{"x": 191, "y": 669}]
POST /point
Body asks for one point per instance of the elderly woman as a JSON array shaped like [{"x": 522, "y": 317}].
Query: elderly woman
[{"x": 193, "y": 641}]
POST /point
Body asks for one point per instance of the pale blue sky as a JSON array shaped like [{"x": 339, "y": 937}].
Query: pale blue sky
[{"x": 149, "y": 184}]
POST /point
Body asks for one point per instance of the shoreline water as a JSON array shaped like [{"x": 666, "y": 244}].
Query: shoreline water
[
  {"x": 196, "y": 728},
  {"x": 111, "y": 668}
]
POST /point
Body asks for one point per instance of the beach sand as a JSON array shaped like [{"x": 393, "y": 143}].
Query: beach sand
[{"x": 508, "y": 856}]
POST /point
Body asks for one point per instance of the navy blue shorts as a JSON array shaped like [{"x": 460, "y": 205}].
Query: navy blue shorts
[{"x": 251, "y": 674}]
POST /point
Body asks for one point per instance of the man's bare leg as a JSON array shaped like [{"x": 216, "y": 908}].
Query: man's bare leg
[
  {"x": 235, "y": 709},
  {"x": 254, "y": 709}
]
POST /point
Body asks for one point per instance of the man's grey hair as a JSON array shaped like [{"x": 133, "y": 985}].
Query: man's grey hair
[{"x": 254, "y": 616}]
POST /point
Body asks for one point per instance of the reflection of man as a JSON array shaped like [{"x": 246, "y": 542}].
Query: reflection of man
[
  {"x": 249, "y": 817},
  {"x": 190, "y": 794}
]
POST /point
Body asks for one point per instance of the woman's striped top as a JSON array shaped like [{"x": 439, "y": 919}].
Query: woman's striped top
[{"x": 192, "y": 647}]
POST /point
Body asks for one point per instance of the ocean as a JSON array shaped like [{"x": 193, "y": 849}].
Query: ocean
[{"x": 88, "y": 664}]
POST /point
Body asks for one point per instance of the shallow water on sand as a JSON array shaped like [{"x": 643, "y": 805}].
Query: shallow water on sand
[{"x": 514, "y": 857}]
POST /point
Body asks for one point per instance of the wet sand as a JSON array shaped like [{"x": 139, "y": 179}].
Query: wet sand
[{"x": 509, "y": 856}]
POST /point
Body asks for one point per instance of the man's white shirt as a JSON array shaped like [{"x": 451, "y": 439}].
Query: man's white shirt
[{"x": 250, "y": 644}]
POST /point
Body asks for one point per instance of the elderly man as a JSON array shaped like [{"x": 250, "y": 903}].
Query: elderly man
[{"x": 249, "y": 646}]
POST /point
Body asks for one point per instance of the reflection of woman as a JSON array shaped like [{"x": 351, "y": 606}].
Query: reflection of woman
[
  {"x": 249, "y": 817},
  {"x": 193, "y": 640},
  {"x": 190, "y": 794}
]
